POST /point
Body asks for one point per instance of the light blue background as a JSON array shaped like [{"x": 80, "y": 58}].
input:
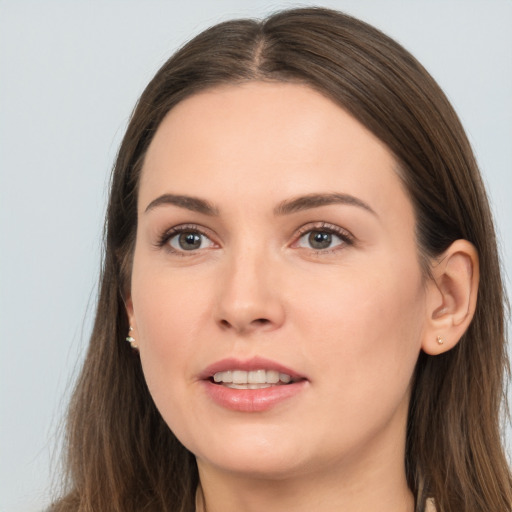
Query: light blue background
[{"x": 70, "y": 73}]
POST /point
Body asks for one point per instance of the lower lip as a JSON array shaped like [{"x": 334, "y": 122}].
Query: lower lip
[{"x": 252, "y": 400}]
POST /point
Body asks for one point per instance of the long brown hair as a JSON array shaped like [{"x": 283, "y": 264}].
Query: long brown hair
[{"x": 121, "y": 454}]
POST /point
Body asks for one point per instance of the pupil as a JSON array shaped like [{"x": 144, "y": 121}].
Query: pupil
[
  {"x": 189, "y": 241},
  {"x": 320, "y": 240}
]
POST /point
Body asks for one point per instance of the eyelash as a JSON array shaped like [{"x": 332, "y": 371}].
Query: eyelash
[
  {"x": 324, "y": 227},
  {"x": 321, "y": 227},
  {"x": 171, "y": 233}
]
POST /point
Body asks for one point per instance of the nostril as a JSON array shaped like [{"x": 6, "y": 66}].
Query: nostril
[
  {"x": 261, "y": 321},
  {"x": 249, "y": 325}
]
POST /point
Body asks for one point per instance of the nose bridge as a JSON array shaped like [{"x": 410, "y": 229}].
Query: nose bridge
[{"x": 249, "y": 298}]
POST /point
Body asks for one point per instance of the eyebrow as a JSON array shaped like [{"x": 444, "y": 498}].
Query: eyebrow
[
  {"x": 316, "y": 200},
  {"x": 286, "y": 207},
  {"x": 188, "y": 202}
]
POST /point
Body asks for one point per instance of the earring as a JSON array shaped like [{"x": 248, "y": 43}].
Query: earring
[
  {"x": 440, "y": 340},
  {"x": 131, "y": 339}
]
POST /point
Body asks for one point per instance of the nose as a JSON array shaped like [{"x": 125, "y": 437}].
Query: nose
[{"x": 250, "y": 295}]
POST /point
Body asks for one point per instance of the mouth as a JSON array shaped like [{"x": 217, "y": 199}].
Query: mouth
[
  {"x": 254, "y": 373},
  {"x": 252, "y": 379},
  {"x": 253, "y": 385}
]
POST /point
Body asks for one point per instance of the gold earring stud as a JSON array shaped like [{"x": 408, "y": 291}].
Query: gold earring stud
[
  {"x": 440, "y": 340},
  {"x": 131, "y": 340}
]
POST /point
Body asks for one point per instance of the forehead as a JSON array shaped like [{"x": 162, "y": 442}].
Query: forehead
[{"x": 275, "y": 139}]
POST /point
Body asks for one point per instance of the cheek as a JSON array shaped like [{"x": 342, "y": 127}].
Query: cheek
[
  {"x": 368, "y": 327},
  {"x": 364, "y": 339},
  {"x": 164, "y": 301},
  {"x": 167, "y": 313}
]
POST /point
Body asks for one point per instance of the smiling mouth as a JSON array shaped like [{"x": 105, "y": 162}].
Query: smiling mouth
[{"x": 253, "y": 379}]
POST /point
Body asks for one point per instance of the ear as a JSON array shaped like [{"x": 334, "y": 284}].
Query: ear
[{"x": 451, "y": 297}]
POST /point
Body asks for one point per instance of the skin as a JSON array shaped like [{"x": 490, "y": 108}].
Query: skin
[{"x": 351, "y": 318}]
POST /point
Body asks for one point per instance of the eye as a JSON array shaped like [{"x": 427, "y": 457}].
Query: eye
[
  {"x": 319, "y": 240},
  {"x": 189, "y": 240},
  {"x": 323, "y": 238}
]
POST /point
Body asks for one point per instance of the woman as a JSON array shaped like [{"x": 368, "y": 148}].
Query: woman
[{"x": 294, "y": 243}]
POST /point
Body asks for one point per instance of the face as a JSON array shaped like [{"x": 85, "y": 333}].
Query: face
[{"x": 276, "y": 293}]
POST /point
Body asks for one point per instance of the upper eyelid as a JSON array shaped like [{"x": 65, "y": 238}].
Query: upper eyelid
[{"x": 323, "y": 226}]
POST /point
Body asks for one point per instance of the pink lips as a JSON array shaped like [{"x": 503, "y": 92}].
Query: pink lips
[{"x": 250, "y": 400}]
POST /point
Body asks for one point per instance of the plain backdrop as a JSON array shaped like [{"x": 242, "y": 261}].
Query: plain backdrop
[{"x": 70, "y": 73}]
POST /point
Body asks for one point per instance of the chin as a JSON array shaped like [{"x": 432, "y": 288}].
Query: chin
[
  {"x": 257, "y": 468},
  {"x": 250, "y": 454}
]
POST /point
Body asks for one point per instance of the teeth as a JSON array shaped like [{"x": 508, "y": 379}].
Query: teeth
[
  {"x": 272, "y": 376},
  {"x": 247, "y": 386},
  {"x": 254, "y": 379},
  {"x": 239, "y": 377},
  {"x": 283, "y": 377},
  {"x": 223, "y": 377}
]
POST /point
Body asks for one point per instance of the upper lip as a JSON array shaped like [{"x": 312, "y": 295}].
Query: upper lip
[{"x": 255, "y": 363}]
